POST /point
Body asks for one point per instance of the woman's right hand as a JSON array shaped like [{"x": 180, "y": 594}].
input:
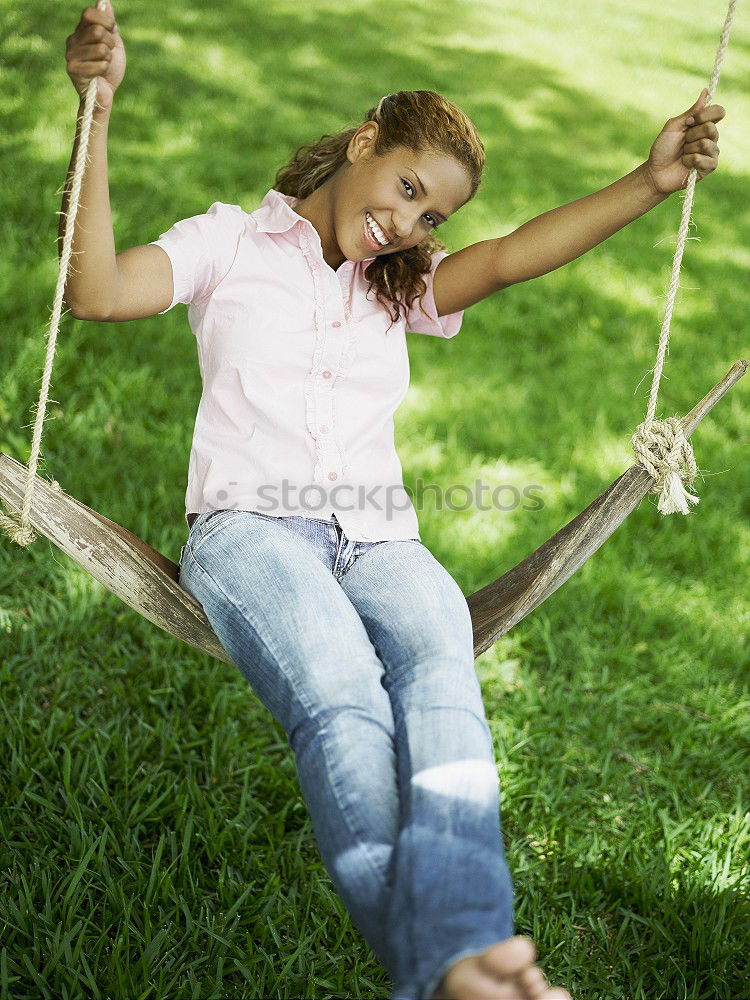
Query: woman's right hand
[{"x": 95, "y": 49}]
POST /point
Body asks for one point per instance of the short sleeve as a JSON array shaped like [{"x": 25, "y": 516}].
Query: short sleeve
[
  {"x": 202, "y": 250},
  {"x": 436, "y": 326}
]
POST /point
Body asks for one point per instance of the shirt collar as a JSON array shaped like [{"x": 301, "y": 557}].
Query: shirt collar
[{"x": 276, "y": 214}]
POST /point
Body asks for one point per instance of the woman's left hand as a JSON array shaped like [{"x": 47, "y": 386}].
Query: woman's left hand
[{"x": 682, "y": 145}]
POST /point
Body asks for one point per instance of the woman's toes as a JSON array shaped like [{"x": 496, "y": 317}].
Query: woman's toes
[
  {"x": 534, "y": 982},
  {"x": 509, "y": 957},
  {"x": 556, "y": 993}
]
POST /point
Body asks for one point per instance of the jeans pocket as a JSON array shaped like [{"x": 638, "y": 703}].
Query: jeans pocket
[{"x": 205, "y": 524}]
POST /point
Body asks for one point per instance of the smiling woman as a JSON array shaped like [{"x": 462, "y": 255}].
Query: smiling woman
[
  {"x": 414, "y": 162},
  {"x": 353, "y": 635}
]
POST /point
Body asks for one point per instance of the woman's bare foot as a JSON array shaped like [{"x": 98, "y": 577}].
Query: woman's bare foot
[{"x": 504, "y": 971}]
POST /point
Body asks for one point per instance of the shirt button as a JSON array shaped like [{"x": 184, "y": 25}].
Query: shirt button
[
  {"x": 332, "y": 476},
  {"x": 324, "y": 429},
  {"x": 326, "y": 374},
  {"x": 335, "y": 323}
]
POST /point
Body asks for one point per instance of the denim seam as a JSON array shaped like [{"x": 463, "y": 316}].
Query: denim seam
[
  {"x": 280, "y": 661},
  {"x": 375, "y": 544},
  {"x": 343, "y": 808},
  {"x": 308, "y": 712},
  {"x": 354, "y": 556},
  {"x": 339, "y": 531},
  {"x": 371, "y": 545},
  {"x": 217, "y": 522}
]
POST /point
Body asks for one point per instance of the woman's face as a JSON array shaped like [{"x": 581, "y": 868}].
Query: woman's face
[{"x": 407, "y": 194}]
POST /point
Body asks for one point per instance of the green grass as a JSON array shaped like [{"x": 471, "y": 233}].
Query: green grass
[{"x": 153, "y": 839}]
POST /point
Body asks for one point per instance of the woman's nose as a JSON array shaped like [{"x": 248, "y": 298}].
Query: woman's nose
[{"x": 403, "y": 227}]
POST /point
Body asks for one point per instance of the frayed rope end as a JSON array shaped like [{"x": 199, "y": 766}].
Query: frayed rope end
[
  {"x": 665, "y": 453},
  {"x": 673, "y": 497},
  {"x": 18, "y": 532}
]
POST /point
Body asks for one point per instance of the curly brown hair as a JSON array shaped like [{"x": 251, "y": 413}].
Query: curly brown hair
[{"x": 422, "y": 121}]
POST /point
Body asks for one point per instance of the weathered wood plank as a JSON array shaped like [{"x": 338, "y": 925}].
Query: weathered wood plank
[
  {"x": 497, "y": 607},
  {"x": 131, "y": 569},
  {"x": 146, "y": 580}
]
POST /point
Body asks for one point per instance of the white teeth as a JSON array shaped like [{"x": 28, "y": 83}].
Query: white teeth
[{"x": 375, "y": 229}]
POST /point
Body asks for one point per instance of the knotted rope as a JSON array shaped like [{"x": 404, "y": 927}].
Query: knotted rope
[
  {"x": 17, "y": 525},
  {"x": 660, "y": 445},
  {"x": 672, "y": 459}
]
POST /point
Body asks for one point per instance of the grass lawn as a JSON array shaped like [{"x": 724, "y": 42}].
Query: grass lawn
[{"x": 153, "y": 839}]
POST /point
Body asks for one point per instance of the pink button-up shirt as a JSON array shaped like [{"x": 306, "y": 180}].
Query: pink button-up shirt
[{"x": 300, "y": 380}]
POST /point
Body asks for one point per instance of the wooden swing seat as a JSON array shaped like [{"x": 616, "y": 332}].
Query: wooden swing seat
[{"x": 147, "y": 581}]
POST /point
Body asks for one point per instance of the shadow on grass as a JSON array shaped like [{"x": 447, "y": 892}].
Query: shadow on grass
[{"x": 214, "y": 102}]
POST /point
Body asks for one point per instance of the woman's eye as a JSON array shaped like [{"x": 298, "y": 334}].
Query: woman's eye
[{"x": 435, "y": 224}]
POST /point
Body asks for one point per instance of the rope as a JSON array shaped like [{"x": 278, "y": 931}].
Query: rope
[
  {"x": 660, "y": 445},
  {"x": 17, "y": 525}
]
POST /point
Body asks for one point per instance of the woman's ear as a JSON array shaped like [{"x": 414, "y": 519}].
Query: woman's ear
[{"x": 362, "y": 143}]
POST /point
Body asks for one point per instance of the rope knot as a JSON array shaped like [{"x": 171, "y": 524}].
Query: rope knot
[
  {"x": 19, "y": 532},
  {"x": 663, "y": 451}
]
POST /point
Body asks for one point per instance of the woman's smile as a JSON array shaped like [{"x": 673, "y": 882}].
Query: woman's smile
[{"x": 370, "y": 240}]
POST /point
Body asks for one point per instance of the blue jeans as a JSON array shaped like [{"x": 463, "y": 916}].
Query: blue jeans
[{"x": 363, "y": 652}]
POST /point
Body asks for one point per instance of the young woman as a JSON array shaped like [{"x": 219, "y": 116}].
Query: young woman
[{"x": 304, "y": 549}]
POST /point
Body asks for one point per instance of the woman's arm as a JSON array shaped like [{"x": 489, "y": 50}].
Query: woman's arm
[
  {"x": 551, "y": 240},
  {"x": 93, "y": 272},
  {"x": 564, "y": 233},
  {"x": 561, "y": 235},
  {"x": 95, "y": 50},
  {"x": 103, "y": 285}
]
